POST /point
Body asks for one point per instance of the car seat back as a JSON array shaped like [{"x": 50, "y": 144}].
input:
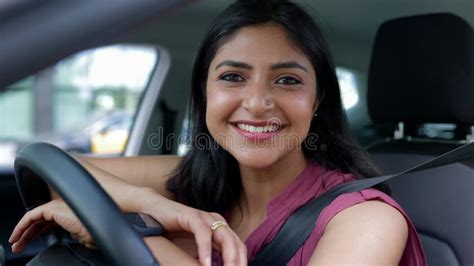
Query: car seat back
[{"x": 421, "y": 71}]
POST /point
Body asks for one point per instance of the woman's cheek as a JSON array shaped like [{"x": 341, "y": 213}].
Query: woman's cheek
[{"x": 220, "y": 107}]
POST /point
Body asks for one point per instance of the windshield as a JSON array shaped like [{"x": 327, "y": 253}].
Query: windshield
[{"x": 94, "y": 92}]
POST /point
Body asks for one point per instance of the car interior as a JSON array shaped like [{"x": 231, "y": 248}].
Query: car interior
[
  {"x": 440, "y": 93},
  {"x": 406, "y": 71}
]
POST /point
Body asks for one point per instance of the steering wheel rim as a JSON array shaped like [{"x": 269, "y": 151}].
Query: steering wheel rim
[{"x": 39, "y": 164}]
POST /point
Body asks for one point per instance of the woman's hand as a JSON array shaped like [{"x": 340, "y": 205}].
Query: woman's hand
[
  {"x": 41, "y": 219},
  {"x": 176, "y": 217}
]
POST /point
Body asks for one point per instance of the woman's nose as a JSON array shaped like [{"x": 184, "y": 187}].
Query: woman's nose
[{"x": 258, "y": 99}]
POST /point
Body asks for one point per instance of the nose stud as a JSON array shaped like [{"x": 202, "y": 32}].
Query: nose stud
[{"x": 268, "y": 102}]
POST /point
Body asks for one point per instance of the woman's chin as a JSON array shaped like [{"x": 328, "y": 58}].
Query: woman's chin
[{"x": 257, "y": 160}]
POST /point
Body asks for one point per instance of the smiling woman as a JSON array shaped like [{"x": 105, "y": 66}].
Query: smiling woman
[
  {"x": 265, "y": 90},
  {"x": 269, "y": 135},
  {"x": 260, "y": 89}
]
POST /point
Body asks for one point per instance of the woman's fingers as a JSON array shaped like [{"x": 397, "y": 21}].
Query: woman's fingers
[
  {"x": 229, "y": 244},
  {"x": 31, "y": 225},
  {"x": 203, "y": 241},
  {"x": 226, "y": 241},
  {"x": 229, "y": 250},
  {"x": 233, "y": 250},
  {"x": 26, "y": 222},
  {"x": 34, "y": 231},
  {"x": 177, "y": 217},
  {"x": 42, "y": 218},
  {"x": 243, "y": 254}
]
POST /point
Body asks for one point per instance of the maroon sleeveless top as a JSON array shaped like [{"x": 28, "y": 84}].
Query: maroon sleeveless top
[{"x": 312, "y": 182}]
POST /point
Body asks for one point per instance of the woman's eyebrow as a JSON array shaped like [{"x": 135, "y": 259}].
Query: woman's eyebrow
[
  {"x": 233, "y": 64},
  {"x": 290, "y": 64}
]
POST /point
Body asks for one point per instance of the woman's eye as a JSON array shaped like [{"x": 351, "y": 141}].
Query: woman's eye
[
  {"x": 232, "y": 77},
  {"x": 288, "y": 81}
]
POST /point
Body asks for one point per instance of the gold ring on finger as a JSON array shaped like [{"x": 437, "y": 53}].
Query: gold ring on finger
[{"x": 218, "y": 224}]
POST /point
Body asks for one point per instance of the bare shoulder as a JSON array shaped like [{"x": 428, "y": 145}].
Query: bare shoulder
[
  {"x": 369, "y": 233},
  {"x": 374, "y": 215}
]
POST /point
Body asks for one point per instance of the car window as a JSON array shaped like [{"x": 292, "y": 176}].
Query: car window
[
  {"x": 85, "y": 103},
  {"x": 348, "y": 86}
]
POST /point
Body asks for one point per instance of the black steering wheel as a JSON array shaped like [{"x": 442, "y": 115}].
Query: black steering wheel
[{"x": 40, "y": 164}]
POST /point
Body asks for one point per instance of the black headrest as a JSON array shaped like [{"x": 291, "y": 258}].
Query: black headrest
[{"x": 422, "y": 71}]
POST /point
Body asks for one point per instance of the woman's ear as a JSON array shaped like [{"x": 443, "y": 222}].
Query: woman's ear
[
  {"x": 318, "y": 100},
  {"x": 315, "y": 105}
]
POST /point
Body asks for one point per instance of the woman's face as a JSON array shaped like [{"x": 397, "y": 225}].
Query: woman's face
[{"x": 261, "y": 96}]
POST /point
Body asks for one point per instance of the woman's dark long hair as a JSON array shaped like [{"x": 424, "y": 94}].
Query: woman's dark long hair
[{"x": 208, "y": 177}]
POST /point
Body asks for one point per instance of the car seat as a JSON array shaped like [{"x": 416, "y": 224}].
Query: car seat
[{"x": 421, "y": 71}]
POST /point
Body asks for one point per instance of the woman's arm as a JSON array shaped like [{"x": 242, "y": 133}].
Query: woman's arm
[
  {"x": 369, "y": 233},
  {"x": 168, "y": 253},
  {"x": 131, "y": 181},
  {"x": 142, "y": 171},
  {"x": 132, "y": 193},
  {"x": 137, "y": 184},
  {"x": 174, "y": 216}
]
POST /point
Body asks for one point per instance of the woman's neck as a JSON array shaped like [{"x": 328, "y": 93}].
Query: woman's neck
[{"x": 260, "y": 186}]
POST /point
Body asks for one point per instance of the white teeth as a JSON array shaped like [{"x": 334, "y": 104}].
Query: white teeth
[{"x": 253, "y": 129}]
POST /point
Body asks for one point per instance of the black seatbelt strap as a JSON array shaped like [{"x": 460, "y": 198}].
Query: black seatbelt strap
[{"x": 300, "y": 224}]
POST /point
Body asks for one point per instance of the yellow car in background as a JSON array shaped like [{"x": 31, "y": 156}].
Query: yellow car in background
[{"x": 111, "y": 141}]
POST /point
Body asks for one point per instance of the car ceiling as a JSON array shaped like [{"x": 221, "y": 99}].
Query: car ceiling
[
  {"x": 36, "y": 34},
  {"x": 350, "y": 26}
]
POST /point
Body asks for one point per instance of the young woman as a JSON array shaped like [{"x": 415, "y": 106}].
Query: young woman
[{"x": 269, "y": 134}]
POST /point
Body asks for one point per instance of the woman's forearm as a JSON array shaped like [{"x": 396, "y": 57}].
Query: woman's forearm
[
  {"x": 168, "y": 253},
  {"x": 174, "y": 217},
  {"x": 129, "y": 197},
  {"x": 141, "y": 171}
]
